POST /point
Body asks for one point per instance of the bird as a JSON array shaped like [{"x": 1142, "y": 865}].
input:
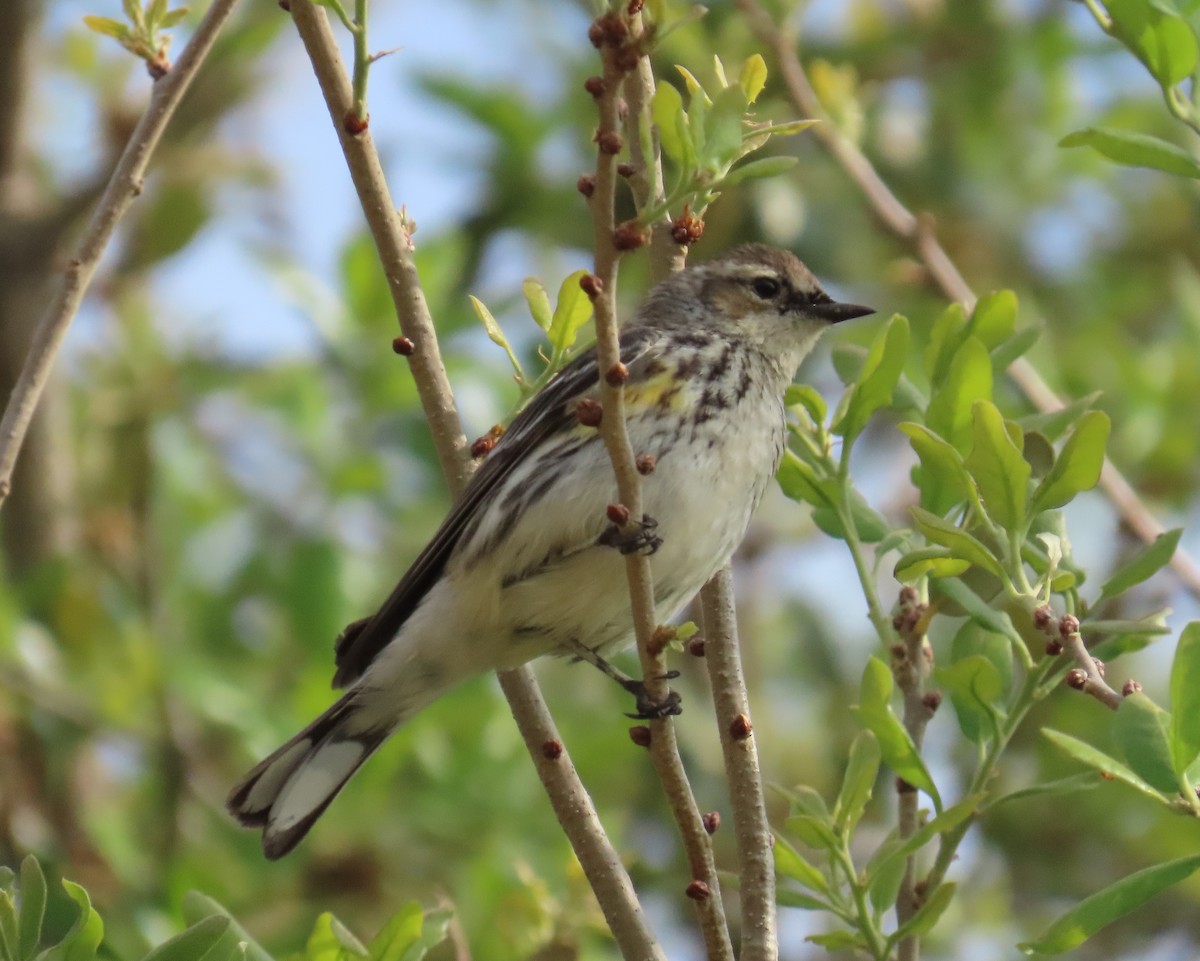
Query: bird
[{"x": 528, "y": 563}]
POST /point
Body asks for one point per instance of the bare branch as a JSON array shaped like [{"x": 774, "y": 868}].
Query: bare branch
[
  {"x": 123, "y": 186},
  {"x": 572, "y": 805},
  {"x": 919, "y": 231},
  {"x": 756, "y": 863},
  {"x": 664, "y": 750}
]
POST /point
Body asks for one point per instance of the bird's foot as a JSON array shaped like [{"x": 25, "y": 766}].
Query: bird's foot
[
  {"x": 640, "y": 539},
  {"x": 648, "y": 708}
]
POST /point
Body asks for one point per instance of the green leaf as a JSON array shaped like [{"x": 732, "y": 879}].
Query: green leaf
[
  {"x": 998, "y": 467},
  {"x": 869, "y": 523},
  {"x": 757, "y": 169},
  {"x": 1078, "y": 467},
  {"x": 1185, "y": 698},
  {"x": 1144, "y": 566},
  {"x": 667, "y": 110},
  {"x": 1135, "y": 150},
  {"x": 790, "y": 863},
  {"x": 1039, "y": 452},
  {"x": 753, "y": 77},
  {"x": 897, "y": 850},
  {"x": 1158, "y": 37},
  {"x": 786, "y": 898},
  {"x": 1106, "y": 906},
  {"x": 968, "y": 379},
  {"x": 874, "y": 712},
  {"x": 1140, "y": 731},
  {"x": 801, "y": 395},
  {"x": 722, "y": 129},
  {"x": 1059, "y": 787},
  {"x": 961, "y": 544},
  {"x": 928, "y": 562},
  {"x": 994, "y": 318},
  {"x": 816, "y": 832},
  {"x": 876, "y": 380},
  {"x": 835, "y": 941},
  {"x": 946, "y": 336},
  {"x": 975, "y": 688},
  {"x": 155, "y": 11},
  {"x": 193, "y": 943},
  {"x": 173, "y": 18},
  {"x": 1017, "y": 345},
  {"x": 1055, "y": 423},
  {"x": 1109, "y": 767},
  {"x": 108, "y": 27},
  {"x": 858, "y": 782},
  {"x": 82, "y": 940},
  {"x": 32, "y": 910},
  {"x": 538, "y": 301},
  {"x": 799, "y": 481},
  {"x": 409, "y": 934},
  {"x": 974, "y": 606},
  {"x": 571, "y": 312},
  {"x": 942, "y": 478},
  {"x": 235, "y": 944}
]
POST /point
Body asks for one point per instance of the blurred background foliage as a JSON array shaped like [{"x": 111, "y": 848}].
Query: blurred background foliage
[{"x": 233, "y": 464}]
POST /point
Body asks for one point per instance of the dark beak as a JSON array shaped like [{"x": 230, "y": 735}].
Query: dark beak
[{"x": 835, "y": 313}]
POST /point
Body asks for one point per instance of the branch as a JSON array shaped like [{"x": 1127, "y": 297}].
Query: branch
[
  {"x": 756, "y": 863},
  {"x": 1064, "y": 635},
  {"x": 704, "y": 889},
  {"x": 123, "y": 186},
  {"x": 568, "y": 797},
  {"x": 919, "y": 231}
]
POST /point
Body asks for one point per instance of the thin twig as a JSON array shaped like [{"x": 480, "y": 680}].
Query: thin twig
[
  {"x": 572, "y": 805},
  {"x": 1088, "y": 677},
  {"x": 919, "y": 231},
  {"x": 664, "y": 750},
  {"x": 123, "y": 187},
  {"x": 752, "y": 831}
]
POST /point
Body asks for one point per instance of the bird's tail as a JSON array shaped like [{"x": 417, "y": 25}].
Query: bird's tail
[{"x": 285, "y": 793}]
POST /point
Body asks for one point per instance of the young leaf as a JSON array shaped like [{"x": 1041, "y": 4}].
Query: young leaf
[
  {"x": 571, "y": 312},
  {"x": 1109, "y": 767},
  {"x": 538, "y": 300},
  {"x": 800, "y": 482},
  {"x": 753, "y": 77},
  {"x": 192, "y": 944},
  {"x": 1078, "y": 467},
  {"x": 399, "y": 934},
  {"x": 874, "y": 711},
  {"x": 961, "y": 543},
  {"x": 1106, "y": 906},
  {"x": 928, "y": 562},
  {"x": 790, "y": 863},
  {"x": 723, "y": 129},
  {"x": 108, "y": 27},
  {"x": 975, "y": 687},
  {"x": 1135, "y": 150},
  {"x": 858, "y": 782},
  {"x": 943, "y": 481},
  {"x": 763, "y": 167},
  {"x": 814, "y": 831},
  {"x": 877, "y": 378},
  {"x": 927, "y": 914},
  {"x": 85, "y": 935},
  {"x": 1145, "y": 565},
  {"x": 1071, "y": 784},
  {"x": 1185, "y": 699},
  {"x": 1158, "y": 36},
  {"x": 998, "y": 467},
  {"x": 945, "y": 338},
  {"x": 969, "y": 379},
  {"x": 809, "y": 398},
  {"x": 994, "y": 318},
  {"x": 897, "y": 850},
  {"x": 667, "y": 110},
  {"x": 1140, "y": 732},
  {"x": 173, "y": 18},
  {"x": 33, "y": 908},
  {"x": 235, "y": 944},
  {"x": 975, "y": 607}
]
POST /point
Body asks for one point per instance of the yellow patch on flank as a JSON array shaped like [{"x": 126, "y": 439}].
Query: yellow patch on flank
[{"x": 663, "y": 390}]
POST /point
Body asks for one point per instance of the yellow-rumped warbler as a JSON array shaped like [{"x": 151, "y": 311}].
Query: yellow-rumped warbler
[{"x": 524, "y": 563}]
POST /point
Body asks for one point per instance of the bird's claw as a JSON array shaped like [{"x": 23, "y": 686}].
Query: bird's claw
[
  {"x": 648, "y": 708},
  {"x": 641, "y": 539}
]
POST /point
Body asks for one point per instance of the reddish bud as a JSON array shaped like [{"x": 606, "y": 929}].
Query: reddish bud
[
  {"x": 626, "y": 58},
  {"x": 158, "y": 66},
  {"x": 403, "y": 346},
  {"x": 618, "y": 514},
  {"x": 552, "y": 750},
  {"x": 596, "y": 34},
  {"x": 711, "y": 821},
  {"x": 353, "y": 124},
  {"x": 613, "y": 30},
  {"x": 740, "y": 728},
  {"x": 595, "y": 86},
  {"x": 698, "y": 891},
  {"x": 898, "y": 625},
  {"x": 1043, "y": 617},
  {"x": 686, "y": 229},
  {"x": 610, "y": 142},
  {"x": 897, "y": 650},
  {"x": 635, "y": 7},
  {"x": 616, "y": 375},
  {"x": 908, "y": 595},
  {"x": 589, "y": 412},
  {"x": 932, "y": 701},
  {"x": 1077, "y": 679},
  {"x": 586, "y": 184},
  {"x": 630, "y": 236},
  {"x": 1054, "y": 647},
  {"x": 645, "y": 464},
  {"x": 695, "y": 647},
  {"x": 626, "y": 170},
  {"x": 903, "y": 787},
  {"x": 482, "y": 446},
  {"x": 591, "y": 285},
  {"x": 640, "y": 735},
  {"x": 1099, "y": 666},
  {"x": 1068, "y": 624},
  {"x": 1131, "y": 687}
]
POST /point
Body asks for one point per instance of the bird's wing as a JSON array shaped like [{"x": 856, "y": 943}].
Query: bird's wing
[{"x": 551, "y": 411}]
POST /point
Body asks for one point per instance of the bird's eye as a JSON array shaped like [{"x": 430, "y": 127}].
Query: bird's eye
[{"x": 765, "y": 288}]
